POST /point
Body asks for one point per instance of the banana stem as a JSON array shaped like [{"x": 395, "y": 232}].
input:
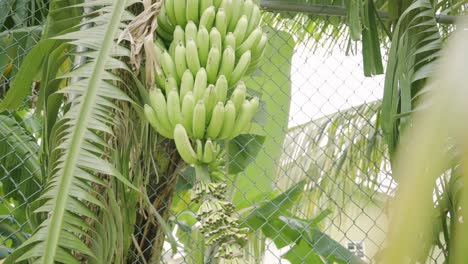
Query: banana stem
[{"x": 202, "y": 173}]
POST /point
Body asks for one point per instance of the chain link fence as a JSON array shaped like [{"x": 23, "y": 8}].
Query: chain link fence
[{"x": 322, "y": 132}]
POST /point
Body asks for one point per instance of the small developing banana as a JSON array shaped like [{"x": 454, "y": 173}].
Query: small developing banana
[
  {"x": 203, "y": 45},
  {"x": 198, "y": 120},
  {"x": 228, "y": 61},
  {"x": 212, "y": 65},
  {"x": 241, "y": 68},
  {"x": 191, "y": 11},
  {"x": 155, "y": 123},
  {"x": 221, "y": 89},
  {"x": 208, "y": 17},
  {"x": 216, "y": 121},
  {"x": 229, "y": 120},
  {"x": 246, "y": 113},
  {"x": 221, "y": 22},
  {"x": 192, "y": 57},
  {"x": 173, "y": 108},
  {"x": 159, "y": 105},
  {"x": 186, "y": 83}
]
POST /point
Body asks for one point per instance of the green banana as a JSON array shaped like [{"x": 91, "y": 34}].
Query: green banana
[
  {"x": 163, "y": 23},
  {"x": 257, "y": 51},
  {"x": 229, "y": 120},
  {"x": 217, "y": 3},
  {"x": 162, "y": 34},
  {"x": 180, "y": 8},
  {"x": 227, "y": 6},
  {"x": 230, "y": 40},
  {"x": 238, "y": 95},
  {"x": 254, "y": 20},
  {"x": 250, "y": 42},
  {"x": 171, "y": 84},
  {"x": 170, "y": 11},
  {"x": 240, "y": 30},
  {"x": 201, "y": 82},
  {"x": 212, "y": 64},
  {"x": 191, "y": 54},
  {"x": 158, "y": 103},
  {"x": 208, "y": 17},
  {"x": 221, "y": 89},
  {"x": 236, "y": 12},
  {"x": 173, "y": 108},
  {"x": 199, "y": 148},
  {"x": 216, "y": 121},
  {"x": 203, "y": 45},
  {"x": 204, "y": 4},
  {"x": 198, "y": 120},
  {"x": 180, "y": 60},
  {"x": 221, "y": 22},
  {"x": 191, "y": 12},
  {"x": 186, "y": 83},
  {"x": 209, "y": 98},
  {"x": 187, "y": 111},
  {"x": 178, "y": 36},
  {"x": 155, "y": 123},
  {"x": 215, "y": 39},
  {"x": 183, "y": 145},
  {"x": 160, "y": 79},
  {"x": 209, "y": 153},
  {"x": 246, "y": 113},
  {"x": 168, "y": 66},
  {"x": 228, "y": 62},
  {"x": 241, "y": 68},
  {"x": 247, "y": 9},
  {"x": 191, "y": 31}
]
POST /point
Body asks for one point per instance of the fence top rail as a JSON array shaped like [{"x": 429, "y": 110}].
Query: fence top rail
[{"x": 326, "y": 10}]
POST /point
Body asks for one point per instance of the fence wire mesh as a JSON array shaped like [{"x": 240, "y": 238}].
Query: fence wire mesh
[{"x": 332, "y": 145}]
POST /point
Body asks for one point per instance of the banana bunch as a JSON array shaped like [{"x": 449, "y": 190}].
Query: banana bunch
[{"x": 204, "y": 48}]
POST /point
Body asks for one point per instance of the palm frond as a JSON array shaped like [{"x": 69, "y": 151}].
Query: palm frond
[
  {"x": 76, "y": 160},
  {"x": 416, "y": 45},
  {"x": 337, "y": 155}
]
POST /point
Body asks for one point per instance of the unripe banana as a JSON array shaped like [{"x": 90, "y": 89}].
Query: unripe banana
[
  {"x": 203, "y": 45},
  {"x": 236, "y": 12},
  {"x": 212, "y": 65},
  {"x": 171, "y": 84},
  {"x": 199, "y": 148},
  {"x": 155, "y": 123},
  {"x": 178, "y": 36},
  {"x": 221, "y": 22},
  {"x": 254, "y": 20},
  {"x": 240, "y": 30},
  {"x": 229, "y": 120},
  {"x": 188, "y": 104},
  {"x": 158, "y": 103},
  {"x": 250, "y": 42},
  {"x": 204, "y": 4},
  {"x": 168, "y": 66},
  {"x": 247, "y": 9},
  {"x": 162, "y": 34},
  {"x": 257, "y": 51},
  {"x": 221, "y": 89},
  {"x": 191, "y": 31},
  {"x": 227, "y": 6},
  {"x": 215, "y": 39},
  {"x": 216, "y": 121},
  {"x": 238, "y": 95},
  {"x": 180, "y": 60},
  {"x": 246, "y": 113},
  {"x": 191, "y": 13},
  {"x": 158, "y": 51},
  {"x": 183, "y": 145},
  {"x": 186, "y": 83},
  {"x": 180, "y": 9},
  {"x": 160, "y": 79},
  {"x": 191, "y": 53},
  {"x": 208, "y": 17},
  {"x": 201, "y": 81},
  {"x": 228, "y": 62},
  {"x": 170, "y": 11},
  {"x": 230, "y": 40},
  {"x": 241, "y": 68},
  {"x": 198, "y": 120},
  {"x": 209, "y": 152},
  {"x": 164, "y": 24},
  {"x": 209, "y": 98},
  {"x": 173, "y": 108}
]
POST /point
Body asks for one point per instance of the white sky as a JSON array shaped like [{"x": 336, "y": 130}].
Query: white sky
[{"x": 324, "y": 84}]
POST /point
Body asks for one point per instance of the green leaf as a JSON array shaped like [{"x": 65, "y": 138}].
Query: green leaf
[
  {"x": 242, "y": 151},
  {"x": 272, "y": 209},
  {"x": 274, "y": 85}
]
